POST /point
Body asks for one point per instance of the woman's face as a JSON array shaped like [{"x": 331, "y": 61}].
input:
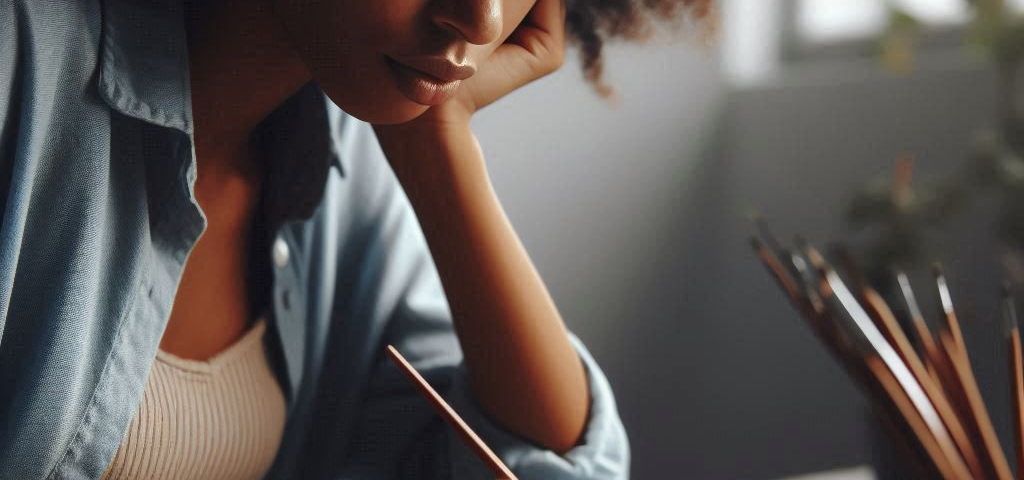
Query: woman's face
[{"x": 387, "y": 61}]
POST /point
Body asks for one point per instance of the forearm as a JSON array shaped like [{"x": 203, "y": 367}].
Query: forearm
[{"x": 523, "y": 369}]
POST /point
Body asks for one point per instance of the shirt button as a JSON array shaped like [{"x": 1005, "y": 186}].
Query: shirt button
[{"x": 280, "y": 253}]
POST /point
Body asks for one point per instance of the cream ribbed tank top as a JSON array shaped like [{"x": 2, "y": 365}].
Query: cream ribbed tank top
[{"x": 220, "y": 418}]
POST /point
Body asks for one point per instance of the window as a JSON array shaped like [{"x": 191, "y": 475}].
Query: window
[
  {"x": 826, "y": 21},
  {"x": 759, "y": 37}
]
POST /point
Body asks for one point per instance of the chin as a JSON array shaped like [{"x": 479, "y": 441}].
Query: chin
[
  {"x": 383, "y": 105},
  {"x": 393, "y": 116}
]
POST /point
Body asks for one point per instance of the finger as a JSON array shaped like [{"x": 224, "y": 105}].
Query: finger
[
  {"x": 534, "y": 49},
  {"x": 548, "y": 16}
]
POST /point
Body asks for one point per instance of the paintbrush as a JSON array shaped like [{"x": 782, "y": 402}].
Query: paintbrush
[
  {"x": 878, "y": 382},
  {"x": 886, "y": 321},
  {"x": 922, "y": 334},
  {"x": 977, "y": 414},
  {"x": 468, "y": 435},
  {"x": 843, "y": 302},
  {"x": 1016, "y": 375}
]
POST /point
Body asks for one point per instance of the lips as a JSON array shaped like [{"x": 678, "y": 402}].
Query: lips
[
  {"x": 428, "y": 80},
  {"x": 438, "y": 67}
]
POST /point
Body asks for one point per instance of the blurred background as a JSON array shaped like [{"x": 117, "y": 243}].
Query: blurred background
[{"x": 636, "y": 213}]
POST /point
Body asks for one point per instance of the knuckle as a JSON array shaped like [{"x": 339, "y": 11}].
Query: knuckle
[
  {"x": 555, "y": 61},
  {"x": 558, "y": 59},
  {"x": 551, "y": 54},
  {"x": 551, "y": 59}
]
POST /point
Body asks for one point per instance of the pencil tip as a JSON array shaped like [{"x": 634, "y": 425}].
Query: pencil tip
[
  {"x": 755, "y": 242},
  {"x": 945, "y": 299},
  {"x": 1009, "y": 312},
  {"x": 908, "y": 295},
  {"x": 815, "y": 257}
]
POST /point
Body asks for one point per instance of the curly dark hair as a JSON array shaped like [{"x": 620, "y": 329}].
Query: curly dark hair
[{"x": 591, "y": 23}]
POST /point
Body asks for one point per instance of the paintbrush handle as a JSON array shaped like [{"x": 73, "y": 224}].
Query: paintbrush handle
[
  {"x": 961, "y": 367},
  {"x": 911, "y": 403},
  {"x": 948, "y": 467},
  {"x": 471, "y": 438},
  {"x": 887, "y": 323},
  {"x": 1017, "y": 384}
]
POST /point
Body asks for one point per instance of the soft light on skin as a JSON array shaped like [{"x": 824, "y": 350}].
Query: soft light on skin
[
  {"x": 246, "y": 57},
  {"x": 345, "y": 44}
]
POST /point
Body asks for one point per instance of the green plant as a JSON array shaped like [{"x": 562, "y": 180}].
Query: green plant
[{"x": 901, "y": 222}]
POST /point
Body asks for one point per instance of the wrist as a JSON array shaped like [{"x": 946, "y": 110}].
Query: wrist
[
  {"x": 429, "y": 147},
  {"x": 442, "y": 172},
  {"x": 424, "y": 129},
  {"x": 440, "y": 122}
]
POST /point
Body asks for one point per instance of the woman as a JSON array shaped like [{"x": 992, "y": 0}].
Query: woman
[{"x": 205, "y": 244}]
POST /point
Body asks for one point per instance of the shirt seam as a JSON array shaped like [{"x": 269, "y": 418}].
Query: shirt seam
[{"x": 104, "y": 378}]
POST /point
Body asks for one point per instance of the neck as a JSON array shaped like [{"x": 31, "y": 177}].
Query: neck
[{"x": 242, "y": 67}]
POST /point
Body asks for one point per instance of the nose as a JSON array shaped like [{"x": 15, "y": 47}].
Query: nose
[{"x": 477, "y": 21}]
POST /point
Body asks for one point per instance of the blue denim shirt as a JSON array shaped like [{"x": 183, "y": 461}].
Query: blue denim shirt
[{"x": 98, "y": 218}]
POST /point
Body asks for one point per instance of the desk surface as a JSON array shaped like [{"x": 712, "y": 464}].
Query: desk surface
[{"x": 854, "y": 473}]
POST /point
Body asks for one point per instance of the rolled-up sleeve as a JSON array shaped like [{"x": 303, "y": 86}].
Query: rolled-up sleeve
[
  {"x": 400, "y": 436},
  {"x": 601, "y": 454}
]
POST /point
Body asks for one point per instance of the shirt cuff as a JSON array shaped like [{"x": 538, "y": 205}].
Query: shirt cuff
[{"x": 602, "y": 453}]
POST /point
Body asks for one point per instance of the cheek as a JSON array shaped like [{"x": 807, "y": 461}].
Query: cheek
[
  {"x": 341, "y": 43},
  {"x": 363, "y": 87},
  {"x": 329, "y": 31}
]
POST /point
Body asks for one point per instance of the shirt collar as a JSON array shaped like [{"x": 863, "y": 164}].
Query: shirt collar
[
  {"x": 144, "y": 75},
  {"x": 297, "y": 154},
  {"x": 144, "y": 61}
]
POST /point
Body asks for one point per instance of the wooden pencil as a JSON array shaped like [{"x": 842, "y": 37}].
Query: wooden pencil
[
  {"x": 936, "y": 360},
  {"x": 839, "y": 347},
  {"x": 766, "y": 233},
  {"x": 471, "y": 438},
  {"x": 893, "y": 332},
  {"x": 835, "y": 290},
  {"x": 925, "y": 389},
  {"x": 877, "y": 307},
  {"x": 878, "y": 382},
  {"x": 952, "y": 324},
  {"x": 953, "y": 344},
  {"x": 950, "y": 350},
  {"x": 1016, "y": 377},
  {"x": 775, "y": 267},
  {"x": 923, "y": 337},
  {"x": 976, "y": 418},
  {"x": 905, "y": 406}
]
